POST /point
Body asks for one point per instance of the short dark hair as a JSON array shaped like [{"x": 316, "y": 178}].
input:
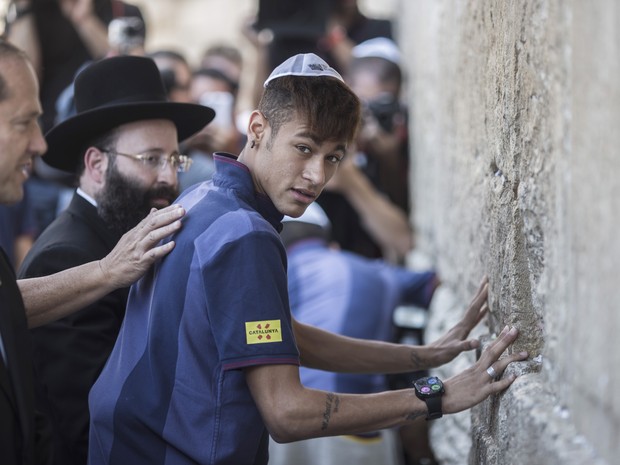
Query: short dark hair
[
  {"x": 7, "y": 51},
  {"x": 168, "y": 54},
  {"x": 229, "y": 52},
  {"x": 219, "y": 76},
  {"x": 330, "y": 107},
  {"x": 386, "y": 71}
]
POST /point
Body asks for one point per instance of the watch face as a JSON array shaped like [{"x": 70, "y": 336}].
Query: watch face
[{"x": 429, "y": 387}]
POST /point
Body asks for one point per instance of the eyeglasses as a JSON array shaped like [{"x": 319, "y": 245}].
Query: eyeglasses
[{"x": 180, "y": 163}]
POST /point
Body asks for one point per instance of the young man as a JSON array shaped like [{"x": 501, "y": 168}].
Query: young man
[
  {"x": 24, "y": 438},
  {"x": 123, "y": 144},
  {"x": 206, "y": 365}
]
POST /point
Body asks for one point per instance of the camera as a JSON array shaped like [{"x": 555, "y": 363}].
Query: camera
[
  {"x": 384, "y": 108},
  {"x": 126, "y": 33}
]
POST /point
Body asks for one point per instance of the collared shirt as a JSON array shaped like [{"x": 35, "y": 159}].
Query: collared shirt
[{"x": 173, "y": 390}]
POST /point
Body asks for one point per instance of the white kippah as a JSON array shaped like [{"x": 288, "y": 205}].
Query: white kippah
[
  {"x": 379, "y": 47},
  {"x": 304, "y": 64},
  {"x": 314, "y": 214}
]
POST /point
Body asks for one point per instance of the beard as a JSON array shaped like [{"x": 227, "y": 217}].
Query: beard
[{"x": 124, "y": 202}]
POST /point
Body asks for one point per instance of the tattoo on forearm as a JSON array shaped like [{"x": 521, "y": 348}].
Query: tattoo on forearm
[
  {"x": 332, "y": 401},
  {"x": 414, "y": 415}
]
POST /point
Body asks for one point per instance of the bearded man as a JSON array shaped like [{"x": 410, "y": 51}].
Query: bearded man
[{"x": 123, "y": 144}]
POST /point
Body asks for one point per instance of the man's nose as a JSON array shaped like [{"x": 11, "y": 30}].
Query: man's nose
[
  {"x": 38, "y": 145},
  {"x": 315, "y": 171},
  {"x": 167, "y": 174}
]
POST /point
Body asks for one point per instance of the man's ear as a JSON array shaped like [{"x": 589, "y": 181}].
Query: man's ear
[
  {"x": 95, "y": 165},
  {"x": 257, "y": 126}
]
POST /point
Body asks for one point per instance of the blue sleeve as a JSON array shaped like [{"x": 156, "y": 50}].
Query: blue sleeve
[
  {"x": 417, "y": 287},
  {"x": 247, "y": 302}
]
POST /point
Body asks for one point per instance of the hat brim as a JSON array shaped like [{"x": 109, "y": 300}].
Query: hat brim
[{"x": 66, "y": 140}]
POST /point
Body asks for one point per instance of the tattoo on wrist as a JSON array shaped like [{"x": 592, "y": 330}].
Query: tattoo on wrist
[{"x": 332, "y": 402}]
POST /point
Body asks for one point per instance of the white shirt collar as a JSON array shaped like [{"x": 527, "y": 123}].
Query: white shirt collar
[{"x": 87, "y": 197}]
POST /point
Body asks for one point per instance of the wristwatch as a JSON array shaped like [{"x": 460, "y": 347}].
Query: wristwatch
[{"x": 430, "y": 390}]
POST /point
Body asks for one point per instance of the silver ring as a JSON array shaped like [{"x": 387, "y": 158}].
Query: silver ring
[{"x": 491, "y": 371}]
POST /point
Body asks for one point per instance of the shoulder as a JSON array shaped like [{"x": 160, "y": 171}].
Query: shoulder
[
  {"x": 246, "y": 243},
  {"x": 220, "y": 219}
]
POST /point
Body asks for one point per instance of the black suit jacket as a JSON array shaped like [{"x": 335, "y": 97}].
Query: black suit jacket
[
  {"x": 70, "y": 353},
  {"x": 24, "y": 439}
]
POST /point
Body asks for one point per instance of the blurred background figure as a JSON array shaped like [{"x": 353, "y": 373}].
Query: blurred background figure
[
  {"x": 364, "y": 220},
  {"x": 216, "y": 85},
  {"x": 381, "y": 154},
  {"x": 224, "y": 57},
  {"x": 295, "y": 27},
  {"x": 175, "y": 72},
  {"x": 126, "y": 36},
  {"x": 215, "y": 89},
  {"x": 227, "y": 58},
  {"x": 383, "y": 142},
  {"x": 59, "y": 37},
  {"x": 347, "y": 27}
]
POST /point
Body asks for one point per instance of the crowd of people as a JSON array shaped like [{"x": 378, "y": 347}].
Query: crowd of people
[{"x": 193, "y": 279}]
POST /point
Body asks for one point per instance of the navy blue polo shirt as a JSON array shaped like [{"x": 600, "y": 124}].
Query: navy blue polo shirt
[{"x": 173, "y": 390}]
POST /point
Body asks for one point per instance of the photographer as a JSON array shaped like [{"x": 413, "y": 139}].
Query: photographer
[
  {"x": 212, "y": 88},
  {"x": 380, "y": 156},
  {"x": 59, "y": 36},
  {"x": 375, "y": 76}
]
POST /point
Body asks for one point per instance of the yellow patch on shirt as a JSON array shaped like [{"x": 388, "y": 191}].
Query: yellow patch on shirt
[{"x": 260, "y": 332}]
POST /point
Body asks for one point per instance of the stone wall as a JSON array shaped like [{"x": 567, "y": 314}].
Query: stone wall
[{"x": 515, "y": 115}]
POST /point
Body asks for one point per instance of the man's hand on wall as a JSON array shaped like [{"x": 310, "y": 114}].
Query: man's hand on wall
[
  {"x": 455, "y": 341},
  {"x": 478, "y": 382}
]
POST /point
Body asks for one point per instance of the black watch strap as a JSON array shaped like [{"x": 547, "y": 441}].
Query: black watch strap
[{"x": 433, "y": 404}]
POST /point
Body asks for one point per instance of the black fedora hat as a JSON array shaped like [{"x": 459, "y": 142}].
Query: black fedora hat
[{"x": 112, "y": 92}]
